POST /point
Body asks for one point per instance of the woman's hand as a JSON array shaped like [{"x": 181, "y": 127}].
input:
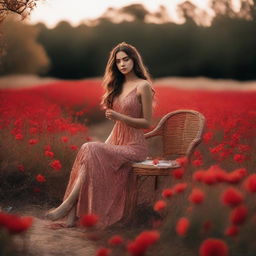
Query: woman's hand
[{"x": 112, "y": 115}]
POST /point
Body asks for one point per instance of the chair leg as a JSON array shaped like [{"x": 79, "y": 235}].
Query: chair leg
[
  {"x": 131, "y": 198},
  {"x": 156, "y": 183}
]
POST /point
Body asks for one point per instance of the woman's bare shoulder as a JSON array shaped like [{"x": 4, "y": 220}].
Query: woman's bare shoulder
[{"x": 144, "y": 85}]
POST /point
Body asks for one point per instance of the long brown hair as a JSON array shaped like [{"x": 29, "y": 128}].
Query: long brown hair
[{"x": 113, "y": 79}]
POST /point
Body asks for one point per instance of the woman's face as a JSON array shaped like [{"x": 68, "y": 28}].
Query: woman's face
[{"x": 124, "y": 63}]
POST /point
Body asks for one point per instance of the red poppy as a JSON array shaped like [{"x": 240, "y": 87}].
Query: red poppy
[
  {"x": 198, "y": 175},
  {"x": 217, "y": 149},
  {"x": 73, "y": 147},
  {"x": 207, "y": 137},
  {"x": 178, "y": 173},
  {"x": 182, "y": 226},
  {"x": 21, "y": 167},
  {"x": 19, "y": 136},
  {"x": 64, "y": 139},
  {"x": 49, "y": 153},
  {"x": 15, "y": 224},
  {"x": 239, "y": 158},
  {"x": 213, "y": 247},
  {"x": 232, "y": 197},
  {"x": 115, "y": 240},
  {"x": 196, "y": 196},
  {"x": 89, "y": 220},
  {"x": 160, "y": 205},
  {"x": 250, "y": 183},
  {"x": 40, "y": 178},
  {"x": 236, "y": 176},
  {"x": 197, "y": 162},
  {"x": 56, "y": 165},
  {"x": 232, "y": 230},
  {"x": 182, "y": 161},
  {"x": 47, "y": 148},
  {"x": 238, "y": 215},
  {"x": 180, "y": 187},
  {"x": 155, "y": 161},
  {"x": 103, "y": 252},
  {"x": 141, "y": 243},
  {"x": 33, "y": 141},
  {"x": 167, "y": 193}
]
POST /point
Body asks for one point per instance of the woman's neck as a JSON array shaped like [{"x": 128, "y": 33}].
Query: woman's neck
[{"x": 130, "y": 77}]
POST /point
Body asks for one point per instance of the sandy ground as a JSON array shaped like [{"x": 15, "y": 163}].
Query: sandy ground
[{"x": 40, "y": 240}]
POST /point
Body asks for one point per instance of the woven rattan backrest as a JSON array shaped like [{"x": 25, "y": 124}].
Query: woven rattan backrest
[{"x": 181, "y": 131}]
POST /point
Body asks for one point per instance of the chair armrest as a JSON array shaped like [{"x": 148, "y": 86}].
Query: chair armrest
[{"x": 155, "y": 132}]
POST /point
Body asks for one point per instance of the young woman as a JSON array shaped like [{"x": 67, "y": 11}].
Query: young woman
[{"x": 98, "y": 179}]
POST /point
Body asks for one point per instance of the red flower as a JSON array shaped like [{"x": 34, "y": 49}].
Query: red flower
[
  {"x": 40, "y": 178},
  {"x": 210, "y": 177},
  {"x": 182, "y": 226},
  {"x": 167, "y": 193},
  {"x": 180, "y": 187},
  {"x": 236, "y": 176},
  {"x": 21, "y": 167},
  {"x": 232, "y": 231},
  {"x": 238, "y": 215},
  {"x": 178, "y": 173},
  {"x": 73, "y": 147},
  {"x": 139, "y": 246},
  {"x": 18, "y": 136},
  {"x": 15, "y": 224},
  {"x": 232, "y": 197},
  {"x": 250, "y": 183},
  {"x": 33, "y": 141},
  {"x": 182, "y": 161},
  {"x": 56, "y": 165},
  {"x": 213, "y": 247},
  {"x": 88, "y": 138},
  {"x": 217, "y": 149},
  {"x": 239, "y": 158},
  {"x": 207, "y": 137},
  {"x": 155, "y": 161},
  {"x": 244, "y": 148},
  {"x": 89, "y": 220},
  {"x": 49, "y": 153},
  {"x": 103, "y": 252},
  {"x": 64, "y": 139},
  {"x": 115, "y": 240},
  {"x": 47, "y": 148},
  {"x": 197, "y": 196},
  {"x": 199, "y": 175},
  {"x": 160, "y": 205},
  {"x": 197, "y": 162}
]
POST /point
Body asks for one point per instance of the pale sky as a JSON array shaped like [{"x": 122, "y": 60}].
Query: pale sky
[{"x": 75, "y": 11}]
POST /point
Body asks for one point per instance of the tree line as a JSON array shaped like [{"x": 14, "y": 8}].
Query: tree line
[{"x": 223, "y": 50}]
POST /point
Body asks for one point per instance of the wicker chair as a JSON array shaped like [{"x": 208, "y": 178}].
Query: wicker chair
[{"x": 181, "y": 132}]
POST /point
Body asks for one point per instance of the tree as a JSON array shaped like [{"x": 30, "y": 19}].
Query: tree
[{"x": 20, "y": 7}]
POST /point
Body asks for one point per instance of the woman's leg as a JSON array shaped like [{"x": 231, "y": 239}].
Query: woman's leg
[
  {"x": 66, "y": 205},
  {"x": 71, "y": 218}
]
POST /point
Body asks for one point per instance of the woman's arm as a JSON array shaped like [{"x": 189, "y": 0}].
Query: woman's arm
[{"x": 146, "y": 99}]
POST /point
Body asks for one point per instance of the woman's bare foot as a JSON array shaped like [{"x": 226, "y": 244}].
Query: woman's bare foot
[{"x": 59, "y": 212}]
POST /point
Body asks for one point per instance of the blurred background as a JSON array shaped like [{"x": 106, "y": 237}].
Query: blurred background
[{"x": 209, "y": 38}]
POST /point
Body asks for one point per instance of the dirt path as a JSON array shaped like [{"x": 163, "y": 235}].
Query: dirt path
[{"x": 43, "y": 241}]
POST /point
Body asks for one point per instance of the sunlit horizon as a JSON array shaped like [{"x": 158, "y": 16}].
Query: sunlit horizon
[{"x": 51, "y": 12}]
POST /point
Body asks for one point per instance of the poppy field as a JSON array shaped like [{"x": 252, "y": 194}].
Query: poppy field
[{"x": 208, "y": 207}]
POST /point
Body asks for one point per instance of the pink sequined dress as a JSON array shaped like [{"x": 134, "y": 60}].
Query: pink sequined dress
[{"x": 104, "y": 167}]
